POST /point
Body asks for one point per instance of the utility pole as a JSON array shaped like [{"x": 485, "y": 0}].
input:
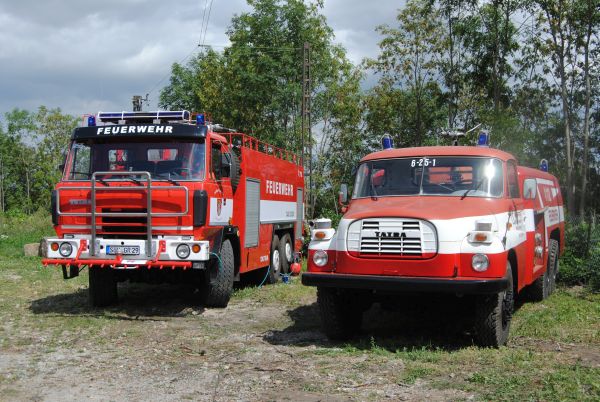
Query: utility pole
[
  {"x": 138, "y": 102},
  {"x": 306, "y": 135}
]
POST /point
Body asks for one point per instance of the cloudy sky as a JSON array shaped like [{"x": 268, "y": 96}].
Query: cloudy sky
[{"x": 85, "y": 56}]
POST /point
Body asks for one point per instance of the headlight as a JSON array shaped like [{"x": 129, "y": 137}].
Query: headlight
[
  {"x": 480, "y": 262},
  {"x": 183, "y": 251},
  {"x": 65, "y": 249},
  {"x": 320, "y": 258}
]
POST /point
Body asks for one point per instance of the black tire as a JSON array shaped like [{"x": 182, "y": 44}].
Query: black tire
[
  {"x": 493, "y": 315},
  {"x": 553, "y": 251},
  {"x": 218, "y": 283},
  {"x": 341, "y": 314},
  {"x": 274, "y": 261},
  {"x": 103, "y": 286},
  {"x": 286, "y": 253}
]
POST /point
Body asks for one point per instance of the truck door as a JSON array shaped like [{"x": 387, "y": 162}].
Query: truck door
[
  {"x": 536, "y": 245},
  {"x": 517, "y": 218},
  {"x": 218, "y": 186}
]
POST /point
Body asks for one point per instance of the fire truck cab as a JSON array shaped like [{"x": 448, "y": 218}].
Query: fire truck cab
[
  {"x": 457, "y": 220},
  {"x": 168, "y": 197}
]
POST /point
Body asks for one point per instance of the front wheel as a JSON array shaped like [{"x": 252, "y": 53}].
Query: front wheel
[
  {"x": 341, "y": 314},
  {"x": 103, "y": 286},
  {"x": 494, "y": 314},
  {"x": 218, "y": 283}
]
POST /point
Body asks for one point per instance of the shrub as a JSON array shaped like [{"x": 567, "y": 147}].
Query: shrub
[{"x": 580, "y": 263}]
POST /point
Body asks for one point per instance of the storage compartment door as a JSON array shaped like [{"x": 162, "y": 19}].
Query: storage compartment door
[{"x": 252, "y": 212}]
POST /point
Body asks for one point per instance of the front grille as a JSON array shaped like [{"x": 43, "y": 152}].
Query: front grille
[
  {"x": 392, "y": 237},
  {"x": 134, "y": 226}
]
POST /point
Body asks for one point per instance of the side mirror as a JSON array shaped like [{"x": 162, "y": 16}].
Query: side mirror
[
  {"x": 530, "y": 189},
  {"x": 343, "y": 194}
]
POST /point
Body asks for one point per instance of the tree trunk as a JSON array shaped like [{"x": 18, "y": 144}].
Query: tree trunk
[{"x": 586, "y": 121}]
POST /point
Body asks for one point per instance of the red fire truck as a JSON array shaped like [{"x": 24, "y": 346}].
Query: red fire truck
[
  {"x": 457, "y": 220},
  {"x": 167, "y": 197}
]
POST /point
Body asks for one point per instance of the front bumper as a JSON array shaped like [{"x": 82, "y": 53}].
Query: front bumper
[
  {"x": 162, "y": 255},
  {"x": 396, "y": 284}
]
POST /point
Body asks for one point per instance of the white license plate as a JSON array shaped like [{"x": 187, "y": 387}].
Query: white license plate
[{"x": 123, "y": 250}]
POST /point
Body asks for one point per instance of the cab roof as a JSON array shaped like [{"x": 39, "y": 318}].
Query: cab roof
[{"x": 439, "y": 151}]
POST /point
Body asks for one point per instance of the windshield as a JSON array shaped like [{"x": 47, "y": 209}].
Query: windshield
[
  {"x": 164, "y": 160},
  {"x": 449, "y": 176}
]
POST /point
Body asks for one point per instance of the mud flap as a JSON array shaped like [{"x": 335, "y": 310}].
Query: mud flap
[{"x": 73, "y": 271}]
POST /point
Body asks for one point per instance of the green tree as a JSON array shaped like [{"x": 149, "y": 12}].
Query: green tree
[{"x": 409, "y": 65}]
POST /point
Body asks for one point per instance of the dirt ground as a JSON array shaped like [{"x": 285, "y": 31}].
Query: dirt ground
[{"x": 158, "y": 344}]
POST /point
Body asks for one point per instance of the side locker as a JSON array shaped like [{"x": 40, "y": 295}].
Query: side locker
[
  {"x": 299, "y": 213},
  {"x": 252, "y": 212}
]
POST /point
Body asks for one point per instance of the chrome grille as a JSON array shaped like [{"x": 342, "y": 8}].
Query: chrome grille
[{"x": 392, "y": 237}]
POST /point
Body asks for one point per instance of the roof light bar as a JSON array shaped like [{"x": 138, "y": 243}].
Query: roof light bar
[{"x": 116, "y": 117}]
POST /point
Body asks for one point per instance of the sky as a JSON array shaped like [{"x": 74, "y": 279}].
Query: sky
[{"x": 87, "y": 56}]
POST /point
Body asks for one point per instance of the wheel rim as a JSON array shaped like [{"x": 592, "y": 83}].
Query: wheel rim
[
  {"x": 288, "y": 251},
  {"x": 275, "y": 263}
]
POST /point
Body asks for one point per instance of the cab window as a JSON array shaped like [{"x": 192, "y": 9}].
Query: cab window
[{"x": 216, "y": 160}]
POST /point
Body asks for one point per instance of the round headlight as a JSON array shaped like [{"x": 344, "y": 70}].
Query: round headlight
[
  {"x": 183, "y": 251},
  {"x": 65, "y": 249},
  {"x": 480, "y": 262},
  {"x": 320, "y": 258}
]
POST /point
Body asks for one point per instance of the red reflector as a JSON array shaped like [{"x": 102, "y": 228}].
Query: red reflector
[{"x": 480, "y": 237}]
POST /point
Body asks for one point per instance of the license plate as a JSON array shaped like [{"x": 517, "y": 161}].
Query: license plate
[{"x": 123, "y": 250}]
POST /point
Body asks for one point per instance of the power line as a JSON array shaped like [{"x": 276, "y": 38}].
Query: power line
[
  {"x": 202, "y": 23},
  {"x": 169, "y": 73},
  {"x": 257, "y": 47},
  {"x": 207, "y": 20}
]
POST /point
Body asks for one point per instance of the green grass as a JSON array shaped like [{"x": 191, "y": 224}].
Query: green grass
[{"x": 553, "y": 351}]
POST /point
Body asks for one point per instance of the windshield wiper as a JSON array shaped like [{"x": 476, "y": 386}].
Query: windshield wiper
[
  {"x": 168, "y": 178},
  {"x": 476, "y": 188}
]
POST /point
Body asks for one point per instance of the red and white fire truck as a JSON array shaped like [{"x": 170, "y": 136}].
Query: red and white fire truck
[
  {"x": 457, "y": 220},
  {"x": 166, "y": 196}
]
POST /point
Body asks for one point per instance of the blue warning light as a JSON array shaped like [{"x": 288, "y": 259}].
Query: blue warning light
[
  {"x": 91, "y": 121},
  {"x": 544, "y": 165},
  {"x": 200, "y": 120},
  {"x": 387, "y": 142},
  {"x": 483, "y": 139}
]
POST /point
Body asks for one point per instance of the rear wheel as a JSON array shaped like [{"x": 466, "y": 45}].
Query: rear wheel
[
  {"x": 218, "y": 283},
  {"x": 103, "y": 286},
  {"x": 286, "y": 252},
  {"x": 275, "y": 261},
  {"x": 494, "y": 314},
  {"x": 341, "y": 315}
]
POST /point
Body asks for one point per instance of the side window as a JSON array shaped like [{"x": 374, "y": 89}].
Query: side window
[
  {"x": 215, "y": 160},
  {"x": 513, "y": 183},
  {"x": 81, "y": 162}
]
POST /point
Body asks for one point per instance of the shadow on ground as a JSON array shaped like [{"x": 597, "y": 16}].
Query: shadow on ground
[
  {"x": 136, "y": 301},
  {"x": 412, "y": 323}
]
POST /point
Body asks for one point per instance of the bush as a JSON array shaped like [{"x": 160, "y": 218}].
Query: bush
[
  {"x": 580, "y": 263},
  {"x": 18, "y": 229}
]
